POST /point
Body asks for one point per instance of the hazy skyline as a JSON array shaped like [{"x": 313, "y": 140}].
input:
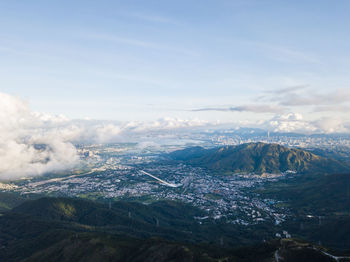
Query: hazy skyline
[{"x": 228, "y": 61}]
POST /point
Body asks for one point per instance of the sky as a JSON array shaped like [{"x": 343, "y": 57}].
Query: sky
[
  {"x": 114, "y": 71},
  {"x": 246, "y": 61}
]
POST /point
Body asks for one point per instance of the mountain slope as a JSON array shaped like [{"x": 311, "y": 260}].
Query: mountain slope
[
  {"x": 9, "y": 200},
  {"x": 259, "y": 158},
  {"x": 166, "y": 219},
  {"x": 319, "y": 205},
  {"x": 88, "y": 212},
  {"x": 25, "y": 235},
  {"x": 63, "y": 229},
  {"x": 325, "y": 194}
]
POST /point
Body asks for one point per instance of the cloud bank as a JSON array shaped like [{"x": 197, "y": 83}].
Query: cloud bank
[
  {"x": 26, "y": 148},
  {"x": 295, "y": 122},
  {"x": 34, "y": 143},
  {"x": 284, "y": 103}
]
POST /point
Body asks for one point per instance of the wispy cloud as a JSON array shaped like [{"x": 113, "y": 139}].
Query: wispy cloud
[
  {"x": 153, "y": 18},
  {"x": 285, "y": 99},
  {"x": 303, "y": 95},
  {"x": 141, "y": 43},
  {"x": 336, "y": 97},
  {"x": 334, "y": 108},
  {"x": 284, "y": 53},
  {"x": 244, "y": 108},
  {"x": 289, "y": 89}
]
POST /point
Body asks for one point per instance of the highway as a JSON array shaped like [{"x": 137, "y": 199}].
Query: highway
[{"x": 160, "y": 180}]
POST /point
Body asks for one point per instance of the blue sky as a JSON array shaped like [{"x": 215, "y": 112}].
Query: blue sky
[{"x": 212, "y": 60}]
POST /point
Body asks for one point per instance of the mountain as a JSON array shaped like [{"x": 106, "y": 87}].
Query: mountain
[
  {"x": 71, "y": 229},
  {"x": 161, "y": 219},
  {"x": 166, "y": 219},
  {"x": 258, "y": 158},
  {"x": 9, "y": 200},
  {"x": 63, "y": 229},
  {"x": 324, "y": 194},
  {"x": 318, "y": 204}
]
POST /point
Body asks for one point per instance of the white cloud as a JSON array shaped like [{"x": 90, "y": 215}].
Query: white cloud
[
  {"x": 33, "y": 143},
  {"x": 111, "y": 131},
  {"x": 290, "y": 117},
  {"x": 331, "y": 125},
  {"x": 167, "y": 123},
  {"x": 107, "y": 133},
  {"x": 291, "y": 122},
  {"x": 294, "y": 122},
  {"x": 26, "y": 147}
]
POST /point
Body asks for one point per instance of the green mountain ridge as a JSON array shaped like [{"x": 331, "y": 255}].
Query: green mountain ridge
[
  {"x": 318, "y": 205},
  {"x": 8, "y": 200},
  {"x": 63, "y": 229},
  {"x": 75, "y": 229},
  {"x": 259, "y": 158},
  {"x": 325, "y": 194},
  {"x": 166, "y": 219}
]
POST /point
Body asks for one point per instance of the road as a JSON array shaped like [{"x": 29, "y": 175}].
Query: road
[
  {"x": 276, "y": 256},
  {"x": 160, "y": 180}
]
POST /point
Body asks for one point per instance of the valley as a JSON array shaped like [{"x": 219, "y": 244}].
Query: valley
[{"x": 132, "y": 187}]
